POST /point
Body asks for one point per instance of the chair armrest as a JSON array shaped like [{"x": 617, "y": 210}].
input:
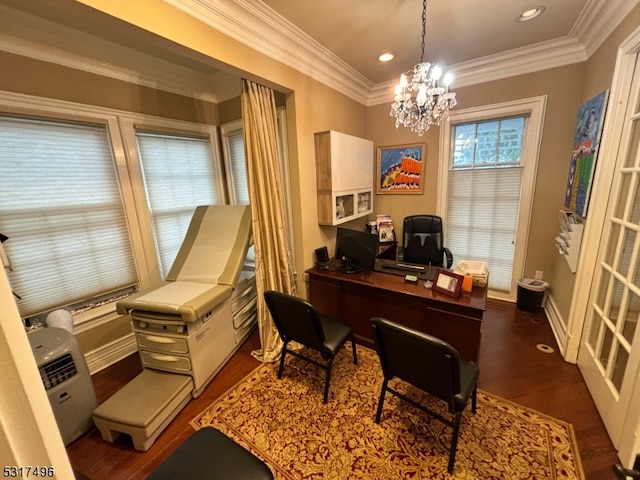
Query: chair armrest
[{"x": 448, "y": 256}]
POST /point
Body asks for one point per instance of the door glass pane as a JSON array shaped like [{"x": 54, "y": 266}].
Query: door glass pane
[
  {"x": 628, "y": 329},
  {"x": 634, "y": 213},
  {"x": 631, "y": 159},
  {"x": 613, "y": 243},
  {"x": 616, "y": 300},
  {"x": 606, "y": 346},
  {"x": 619, "y": 367},
  {"x": 625, "y": 182},
  {"x": 627, "y": 250},
  {"x": 602, "y": 292},
  {"x": 595, "y": 330}
]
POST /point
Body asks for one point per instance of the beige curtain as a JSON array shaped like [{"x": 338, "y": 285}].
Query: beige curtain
[{"x": 273, "y": 259}]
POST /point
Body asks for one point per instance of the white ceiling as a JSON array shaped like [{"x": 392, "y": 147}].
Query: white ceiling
[
  {"x": 457, "y": 31},
  {"x": 335, "y": 41}
]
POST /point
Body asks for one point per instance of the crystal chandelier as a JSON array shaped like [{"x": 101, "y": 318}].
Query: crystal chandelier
[{"x": 432, "y": 96}]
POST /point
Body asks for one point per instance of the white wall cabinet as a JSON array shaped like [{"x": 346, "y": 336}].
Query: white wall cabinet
[{"x": 344, "y": 177}]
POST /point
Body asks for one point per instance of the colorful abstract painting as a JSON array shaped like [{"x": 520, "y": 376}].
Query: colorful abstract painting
[
  {"x": 585, "y": 153},
  {"x": 400, "y": 168}
]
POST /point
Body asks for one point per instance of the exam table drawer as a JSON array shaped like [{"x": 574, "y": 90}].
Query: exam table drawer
[
  {"x": 172, "y": 363},
  {"x": 163, "y": 344}
]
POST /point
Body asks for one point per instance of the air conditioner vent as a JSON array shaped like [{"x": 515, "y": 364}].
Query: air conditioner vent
[{"x": 57, "y": 371}]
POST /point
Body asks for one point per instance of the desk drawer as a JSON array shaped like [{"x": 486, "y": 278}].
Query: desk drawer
[
  {"x": 172, "y": 363},
  {"x": 163, "y": 344}
]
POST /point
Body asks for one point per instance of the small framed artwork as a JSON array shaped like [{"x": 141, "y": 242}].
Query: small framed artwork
[
  {"x": 401, "y": 168},
  {"x": 447, "y": 282}
]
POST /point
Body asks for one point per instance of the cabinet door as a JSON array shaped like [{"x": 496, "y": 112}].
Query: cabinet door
[
  {"x": 344, "y": 163},
  {"x": 364, "y": 163}
]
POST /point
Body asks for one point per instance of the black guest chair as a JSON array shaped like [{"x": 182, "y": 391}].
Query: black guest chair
[
  {"x": 422, "y": 241},
  {"x": 429, "y": 364},
  {"x": 298, "y": 321}
]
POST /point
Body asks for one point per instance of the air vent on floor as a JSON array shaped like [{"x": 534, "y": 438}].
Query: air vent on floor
[{"x": 57, "y": 371}]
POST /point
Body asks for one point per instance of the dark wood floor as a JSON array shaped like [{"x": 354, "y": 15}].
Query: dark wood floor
[{"x": 511, "y": 366}]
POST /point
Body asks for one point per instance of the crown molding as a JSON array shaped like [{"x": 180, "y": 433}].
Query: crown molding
[
  {"x": 598, "y": 19},
  {"x": 257, "y": 26},
  {"x": 254, "y": 24},
  {"x": 520, "y": 61}
]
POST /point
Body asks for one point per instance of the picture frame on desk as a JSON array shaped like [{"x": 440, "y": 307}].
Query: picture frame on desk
[
  {"x": 400, "y": 169},
  {"x": 447, "y": 282}
]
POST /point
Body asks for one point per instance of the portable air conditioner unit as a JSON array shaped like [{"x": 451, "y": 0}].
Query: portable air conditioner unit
[{"x": 66, "y": 379}]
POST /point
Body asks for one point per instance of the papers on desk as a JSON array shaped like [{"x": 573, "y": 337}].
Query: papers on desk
[{"x": 477, "y": 269}]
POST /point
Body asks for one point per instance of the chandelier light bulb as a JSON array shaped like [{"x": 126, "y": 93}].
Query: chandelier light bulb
[
  {"x": 447, "y": 80},
  {"x": 436, "y": 72},
  {"x": 421, "y": 98},
  {"x": 403, "y": 81}
]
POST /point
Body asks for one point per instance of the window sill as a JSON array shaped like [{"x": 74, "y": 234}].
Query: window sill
[{"x": 96, "y": 316}]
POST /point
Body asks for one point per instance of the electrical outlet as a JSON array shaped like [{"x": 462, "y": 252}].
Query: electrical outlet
[{"x": 539, "y": 274}]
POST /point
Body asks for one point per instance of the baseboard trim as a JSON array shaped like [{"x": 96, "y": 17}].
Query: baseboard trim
[
  {"x": 112, "y": 352},
  {"x": 558, "y": 326}
]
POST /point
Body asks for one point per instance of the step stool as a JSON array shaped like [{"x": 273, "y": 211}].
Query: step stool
[{"x": 144, "y": 407}]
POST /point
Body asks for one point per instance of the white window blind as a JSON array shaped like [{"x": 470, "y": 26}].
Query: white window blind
[
  {"x": 483, "y": 199},
  {"x": 179, "y": 175},
  {"x": 238, "y": 167},
  {"x": 60, "y": 206}
]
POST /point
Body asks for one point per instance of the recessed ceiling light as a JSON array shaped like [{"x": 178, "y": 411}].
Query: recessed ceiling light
[
  {"x": 530, "y": 14},
  {"x": 386, "y": 57}
]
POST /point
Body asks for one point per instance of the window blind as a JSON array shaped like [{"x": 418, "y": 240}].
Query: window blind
[
  {"x": 483, "y": 195},
  {"x": 61, "y": 208},
  {"x": 482, "y": 219},
  {"x": 238, "y": 167},
  {"x": 179, "y": 175}
]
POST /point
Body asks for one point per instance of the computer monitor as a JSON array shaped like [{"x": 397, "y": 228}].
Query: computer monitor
[{"x": 356, "y": 249}]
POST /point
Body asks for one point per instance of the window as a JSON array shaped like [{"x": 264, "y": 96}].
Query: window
[
  {"x": 60, "y": 206},
  {"x": 484, "y": 195},
  {"x": 487, "y": 188},
  {"x": 236, "y": 166},
  {"x": 235, "y": 161},
  {"x": 179, "y": 174}
]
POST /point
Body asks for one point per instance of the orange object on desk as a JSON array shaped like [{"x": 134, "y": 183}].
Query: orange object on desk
[{"x": 467, "y": 283}]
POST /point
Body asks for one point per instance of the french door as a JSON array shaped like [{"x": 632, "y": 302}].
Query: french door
[{"x": 609, "y": 352}]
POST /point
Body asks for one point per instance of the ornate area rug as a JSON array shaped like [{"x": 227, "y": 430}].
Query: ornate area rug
[{"x": 285, "y": 423}]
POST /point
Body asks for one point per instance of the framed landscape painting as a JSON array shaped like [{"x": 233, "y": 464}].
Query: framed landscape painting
[{"x": 400, "y": 168}]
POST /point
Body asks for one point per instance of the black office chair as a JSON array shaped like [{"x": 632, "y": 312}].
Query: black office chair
[
  {"x": 429, "y": 364},
  {"x": 422, "y": 241},
  {"x": 298, "y": 321}
]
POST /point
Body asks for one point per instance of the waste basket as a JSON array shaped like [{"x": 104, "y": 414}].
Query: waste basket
[{"x": 531, "y": 294}]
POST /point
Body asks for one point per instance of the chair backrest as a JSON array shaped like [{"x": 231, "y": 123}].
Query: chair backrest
[
  {"x": 422, "y": 360},
  {"x": 423, "y": 239},
  {"x": 296, "y": 319}
]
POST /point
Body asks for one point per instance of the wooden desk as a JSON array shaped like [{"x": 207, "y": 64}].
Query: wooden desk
[{"x": 356, "y": 298}]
